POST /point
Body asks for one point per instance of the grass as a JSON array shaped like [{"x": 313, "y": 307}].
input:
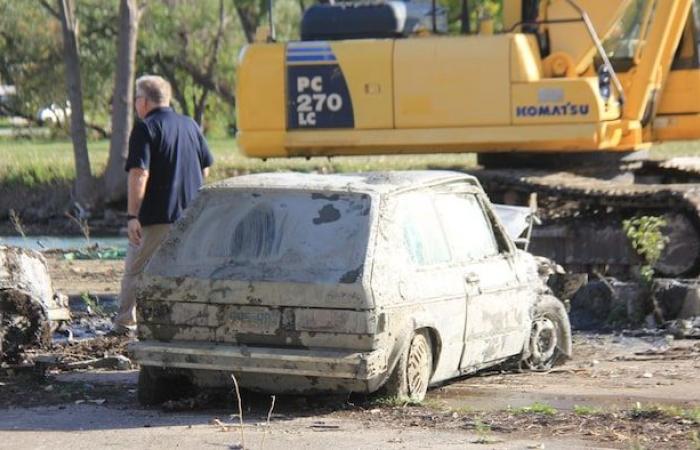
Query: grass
[
  {"x": 35, "y": 162},
  {"x": 649, "y": 411},
  {"x": 388, "y": 401},
  {"x": 582, "y": 410},
  {"x": 535, "y": 408}
]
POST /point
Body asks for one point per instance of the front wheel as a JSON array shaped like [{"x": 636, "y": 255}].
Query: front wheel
[
  {"x": 411, "y": 377},
  {"x": 550, "y": 335}
]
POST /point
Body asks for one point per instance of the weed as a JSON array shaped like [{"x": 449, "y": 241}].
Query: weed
[
  {"x": 695, "y": 439},
  {"x": 645, "y": 235},
  {"x": 240, "y": 409},
  {"x": 483, "y": 431},
  {"x": 267, "y": 425},
  {"x": 394, "y": 402},
  {"x": 17, "y": 223},
  {"x": 535, "y": 408},
  {"x": 481, "y": 428},
  {"x": 464, "y": 410},
  {"x": 83, "y": 225},
  {"x": 94, "y": 306},
  {"x": 640, "y": 411},
  {"x": 582, "y": 410}
]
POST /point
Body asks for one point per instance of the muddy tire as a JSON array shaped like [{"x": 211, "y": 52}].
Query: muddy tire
[
  {"x": 151, "y": 389},
  {"x": 158, "y": 385},
  {"x": 413, "y": 370},
  {"x": 549, "y": 343}
]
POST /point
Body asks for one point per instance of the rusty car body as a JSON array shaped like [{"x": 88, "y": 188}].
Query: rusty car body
[{"x": 316, "y": 283}]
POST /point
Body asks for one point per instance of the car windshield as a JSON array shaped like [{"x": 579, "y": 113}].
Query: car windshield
[{"x": 269, "y": 236}]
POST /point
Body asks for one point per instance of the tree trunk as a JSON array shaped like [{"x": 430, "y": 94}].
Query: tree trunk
[
  {"x": 122, "y": 101},
  {"x": 248, "y": 18},
  {"x": 83, "y": 175},
  {"x": 465, "y": 27}
]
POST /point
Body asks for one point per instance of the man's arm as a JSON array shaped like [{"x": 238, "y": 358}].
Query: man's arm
[
  {"x": 137, "y": 190},
  {"x": 205, "y": 172}
]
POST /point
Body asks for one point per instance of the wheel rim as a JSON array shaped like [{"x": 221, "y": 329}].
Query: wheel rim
[
  {"x": 418, "y": 367},
  {"x": 543, "y": 343}
]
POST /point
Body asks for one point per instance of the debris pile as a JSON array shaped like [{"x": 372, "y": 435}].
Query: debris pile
[
  {"x": 671, "y": 306},
  {"x": 29, "y": 309}
]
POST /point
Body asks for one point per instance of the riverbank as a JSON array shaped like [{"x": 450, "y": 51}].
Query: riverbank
[{"x": 36, "y": 178}]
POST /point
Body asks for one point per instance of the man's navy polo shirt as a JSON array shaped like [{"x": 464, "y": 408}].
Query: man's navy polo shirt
[{"x": 173, "y": 150}]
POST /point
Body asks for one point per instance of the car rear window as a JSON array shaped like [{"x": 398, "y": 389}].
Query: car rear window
[{"x": 269, "y": 236}]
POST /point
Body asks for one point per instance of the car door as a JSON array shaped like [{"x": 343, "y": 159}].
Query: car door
[
  {"x": 430, "y": 285},
  {"x": 496, "y": 307}
]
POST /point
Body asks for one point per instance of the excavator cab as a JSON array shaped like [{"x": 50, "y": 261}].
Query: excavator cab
[{"x": 384, "y": 20}]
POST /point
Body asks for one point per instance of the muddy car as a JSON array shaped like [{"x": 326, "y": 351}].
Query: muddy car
[{"x": 305, "y": 283}]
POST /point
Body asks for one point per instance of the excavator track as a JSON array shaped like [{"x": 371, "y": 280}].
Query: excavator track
[{"x": 582, "y": 215}]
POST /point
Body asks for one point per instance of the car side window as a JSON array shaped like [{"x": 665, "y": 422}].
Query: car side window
[
  {"x": 468, "y": 229},
  {"x": 423, "y": 236}
]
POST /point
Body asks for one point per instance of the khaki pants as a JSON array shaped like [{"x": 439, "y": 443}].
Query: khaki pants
[{"x": 136, "y": 259}]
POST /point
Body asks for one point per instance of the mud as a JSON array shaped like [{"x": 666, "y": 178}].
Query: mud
[
  {"x": 29, "y": 307},
  {"x": 619, "y": 391}
]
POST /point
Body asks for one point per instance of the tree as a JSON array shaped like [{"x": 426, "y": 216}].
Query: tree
[
  {"x": 30, "y": 59},
  {"x": 83, "y": 187},
  {"x": 193, "y": 36},
  {"x": 122, "y": 100}
]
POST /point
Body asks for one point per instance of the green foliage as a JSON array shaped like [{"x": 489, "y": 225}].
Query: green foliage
[
  {"x": 393, "y": 402},
  {"x": 33, "y": 163},
  {"x": 536, "y": 408},
  {"x": 30, "y": 56},
  {"x": 646, "y": 236},
  {"x": 92, "y": 303},
  {"x": 582, "y": 410},
  {"x": 644, "y": 411}
]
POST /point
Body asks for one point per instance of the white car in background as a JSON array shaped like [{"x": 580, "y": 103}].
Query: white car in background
[{"x": 54, "y": 114}]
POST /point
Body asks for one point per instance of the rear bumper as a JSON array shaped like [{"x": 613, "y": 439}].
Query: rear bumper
[{"x": 327, "y": 364}]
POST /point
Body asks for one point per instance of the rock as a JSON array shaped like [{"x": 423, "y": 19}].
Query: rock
[
  {"x": 677, "y": 299},
  {"x": 29, "y": 309},
  {"x": 602, "y": 303}
]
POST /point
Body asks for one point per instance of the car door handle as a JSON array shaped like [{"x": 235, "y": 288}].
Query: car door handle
[{"x": 472, "y": 278}]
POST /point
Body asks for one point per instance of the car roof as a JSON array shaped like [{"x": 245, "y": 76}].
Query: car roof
[{"x": 365, "y": 182}]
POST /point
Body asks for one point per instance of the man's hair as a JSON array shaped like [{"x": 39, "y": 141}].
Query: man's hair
[{"x": 155, "y": 89}]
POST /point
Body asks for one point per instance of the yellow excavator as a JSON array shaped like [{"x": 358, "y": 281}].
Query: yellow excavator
[{"x": 584, "y": 86}]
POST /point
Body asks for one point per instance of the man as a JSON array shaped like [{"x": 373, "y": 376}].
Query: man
[{"x": 167, "y": 163}]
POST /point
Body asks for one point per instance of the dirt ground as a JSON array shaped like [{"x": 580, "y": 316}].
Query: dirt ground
[{"x": 617, "y": 392}]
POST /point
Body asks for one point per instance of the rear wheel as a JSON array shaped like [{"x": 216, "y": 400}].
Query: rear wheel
[
  {"x": 158, "y": 385},
  {"x": 411, "y": 376}
]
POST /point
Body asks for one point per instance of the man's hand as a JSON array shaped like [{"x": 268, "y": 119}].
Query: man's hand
[
  {"x": 134, "y": 227},
  {"x": 137, "y": 190}
]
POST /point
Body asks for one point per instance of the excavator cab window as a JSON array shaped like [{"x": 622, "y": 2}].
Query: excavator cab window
[
  {"x": 688, "y": 53},
  {"x": 626, "y": 41}
]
